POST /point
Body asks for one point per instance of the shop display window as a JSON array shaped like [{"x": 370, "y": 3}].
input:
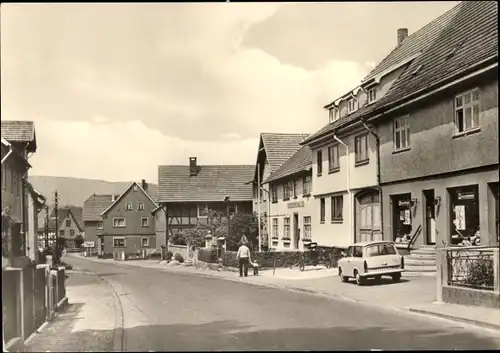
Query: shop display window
[
  {"x": 464, "y": 215},
  {"x": 402, "y": 218}
]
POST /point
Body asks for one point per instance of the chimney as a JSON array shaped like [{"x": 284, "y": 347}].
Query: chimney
[
  {"x": 144, "y": 185},
  {"x": 193, "y": 168},
  {"x": 402, "y": 34}
]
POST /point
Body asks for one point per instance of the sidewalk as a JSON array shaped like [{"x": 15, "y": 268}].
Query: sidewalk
[
  {"x": 88, "y": 323},
  {"x": 412, "y": 294}
]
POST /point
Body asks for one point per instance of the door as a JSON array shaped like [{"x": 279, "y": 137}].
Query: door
[
  {"x": 368, "y": 217},
  {"x": 430, "y": 217},
  {"x": 347, "y": 266},
  {"x": 296, "y": 230}
]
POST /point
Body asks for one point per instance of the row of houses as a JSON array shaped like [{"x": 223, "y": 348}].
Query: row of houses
[{"x": 410, "y": 153}]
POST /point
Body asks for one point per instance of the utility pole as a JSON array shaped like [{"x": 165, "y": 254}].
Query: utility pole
[
  {"x": 56, "y": 248},
  {"x": 46, "y": 227}
]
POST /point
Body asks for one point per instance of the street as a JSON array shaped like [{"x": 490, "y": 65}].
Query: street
[{"x": 173, "y": 311}]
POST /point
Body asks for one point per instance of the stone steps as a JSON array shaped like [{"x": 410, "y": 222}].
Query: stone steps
[{"x": 421, "y": 262}]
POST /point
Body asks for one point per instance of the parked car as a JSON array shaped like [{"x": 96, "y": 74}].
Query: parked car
[{"x": 372, "y": 259}]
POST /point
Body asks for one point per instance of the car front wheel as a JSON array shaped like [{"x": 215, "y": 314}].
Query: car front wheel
[
  {"x": 359, "y": 280},
  {"x": 396, "y": 277},
  {"x": 343, "y": 278}
]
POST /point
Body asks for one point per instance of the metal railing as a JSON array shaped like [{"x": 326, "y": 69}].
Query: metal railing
[{"x": 470, "y": 268}]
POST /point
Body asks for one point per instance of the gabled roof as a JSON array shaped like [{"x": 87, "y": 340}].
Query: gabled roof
[
  {"x": 414, "y": 44},
  {"x": 279, "y": 147},
  {"x": 124, "y": 193},
  {"x": 212, "y": 183},
  {"x": 300, "y": 161},
  {"x": 94, "y": 206},
  {"x": 19, "y": 131},
  {"x": 62, "y": 213}
]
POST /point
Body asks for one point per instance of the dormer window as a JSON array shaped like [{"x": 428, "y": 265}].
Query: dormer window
[
  {"x": 372, "y": 95},
  {"x": 333, "y": 114},
  {"x": 352, "y": 105}
]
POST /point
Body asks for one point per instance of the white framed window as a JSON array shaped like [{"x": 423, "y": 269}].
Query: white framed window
[
  {"x": 307, "y": 185},
  {"x": 119, "y": 222},
  {"x": 128, "y": 206},
  {"x": 144, "y": 222},
  {"x": 372, "y": 95},
  {"x": 203, "y": 211},
  {"x": 361, "y": 148},
  {"x": 71, "y": 232},
  {"x": 296, "y": 187},
  {"x": 286, "y": 227},
  {"x": 337, "y": 206},
  {"x": 68, "y": 222},
  {"x": 286, "y": 191},
  {"x": 307, "y": 228},
  {"x": 319, "y": 162},
  {"x": 61, "y": 233},
  {"x": 333, "y": 115},
  {"x": 144, "y": 242},
  {"x": 99, "y": 225},
  {"x": 333, "y": 157},
  {"x": 135, "y": 188},
  {"x": 274, "y": 193},
  {"x": 140, "y": 206},
  {"x": 275, "y": 227},
  {"x": 119, "y": 242},
  {"x": 467, "y": 111},
  {"x": 401, "y": 134},
  {"x": 352, "y": 105}
]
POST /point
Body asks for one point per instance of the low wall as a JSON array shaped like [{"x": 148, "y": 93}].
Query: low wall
[{"x": 471, "y": 297}]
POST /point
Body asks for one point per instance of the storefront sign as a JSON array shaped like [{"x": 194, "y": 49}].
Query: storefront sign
[
  {"x": 460, "y": 217},
  {"x": 404, "y": 203},
  {"x": 407, "y": 219},
  {"x": 466, "y": 196},
  {"x": 88, "y": 244},
  {"x": 296, "y": 204}
]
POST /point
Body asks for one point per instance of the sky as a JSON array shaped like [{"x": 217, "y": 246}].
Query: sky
[{"x": 117, "y": 89}]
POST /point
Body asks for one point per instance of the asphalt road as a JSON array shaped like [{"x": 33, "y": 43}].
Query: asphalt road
[{"x": 172, "y": 311}]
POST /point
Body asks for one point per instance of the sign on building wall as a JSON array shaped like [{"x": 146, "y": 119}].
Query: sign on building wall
[
  {"x": 296, "y": 204},
  {"x": 407, "y": 217},
  {"x": 466, "y": 196},
  {"x": 460, "y": 217}
]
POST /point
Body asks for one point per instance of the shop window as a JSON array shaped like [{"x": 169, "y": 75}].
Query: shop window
[
  {"x": 402, "y": 218},
  {"x": 464, "y": 215}
]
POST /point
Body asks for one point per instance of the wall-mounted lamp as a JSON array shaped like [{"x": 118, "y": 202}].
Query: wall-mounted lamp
[
  {"x": 437, "y": 201},
  {"x": 414, "y": 202}
]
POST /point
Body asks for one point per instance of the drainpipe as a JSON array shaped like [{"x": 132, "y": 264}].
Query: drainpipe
[
  {"x": 7, "y": 155},
  {"x": 258, "y": 200},
  {"x": 377, "y": 140},
  {"x": 348, "y": 177}
]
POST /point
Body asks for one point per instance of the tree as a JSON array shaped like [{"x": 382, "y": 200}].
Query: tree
[{"x": 79, "y": 241}]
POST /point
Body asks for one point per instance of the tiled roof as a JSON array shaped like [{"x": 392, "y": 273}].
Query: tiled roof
[
  {"x": 300, "y": 161},
  {"x": 279, "y": 147},
  {"x": 77, "y": 214},
  {"x": 417, "y": 42},
  {"x": 19, "y": 131},
  {"x": 212, "y": 183},
  {"x": 94, "y": 206}
]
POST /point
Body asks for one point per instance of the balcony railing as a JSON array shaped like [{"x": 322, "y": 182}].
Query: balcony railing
[{"x": 470, "y": 268}]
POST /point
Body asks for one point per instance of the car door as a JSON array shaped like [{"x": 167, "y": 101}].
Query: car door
[
  {"x": 347, "y": 269},
  {"x": 357, "y": 258}
]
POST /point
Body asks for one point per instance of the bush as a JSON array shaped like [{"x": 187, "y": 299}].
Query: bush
[
  {"x": 481, "y": 273},
  {"x": 178, "y": 257},
  {"x": 169, "y": 255},
  {"x": 207, "y": 255}
]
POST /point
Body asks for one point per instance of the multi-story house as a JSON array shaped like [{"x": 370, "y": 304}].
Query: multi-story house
[
  {"x": 346, "y": 169},
  {"x": 92, "y": 220},
  {"x": 70, "y": 224},
  {"x": 128, "y": 224},
  {"x": 274, "y": 150},
  {"x": 291, "y": 204},
  {"x": 188, "y": 193},
  {"x": 18, "y": 143}
]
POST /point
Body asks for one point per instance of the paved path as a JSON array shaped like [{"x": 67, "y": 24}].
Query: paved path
[{"x": 164, "y": 310}]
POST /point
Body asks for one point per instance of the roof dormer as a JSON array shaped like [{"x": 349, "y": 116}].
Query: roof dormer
[
  {"x": 352, "y": 105},
  {"x": 333, "y": 114}
]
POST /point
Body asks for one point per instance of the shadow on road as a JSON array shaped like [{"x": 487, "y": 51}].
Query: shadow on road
[{"x": 381, "y": 282}]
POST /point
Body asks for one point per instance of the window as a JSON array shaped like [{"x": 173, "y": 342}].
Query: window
[
  {"x": 232, "y": 209},
  {"x": 380, "y": 250},
  {"x": 291, "y": 188},
  {"x": 357, "y": 251},
  {"x": 135, "y": 187},
  {"x": 361, "y": 148},
  {"x": 68, "y": 223},
  {"x": 286, "y": 191},
  {"x": 352, "y": 105},
  {"x": 144, "y": 222},
  {"x": 307, "y": 185},
  {"x": 372, "y": 95},
  {"x": 319, "y": 161},
  {"x": 144, "y": 242},
  {"x": 119, "y": 222},
  {"x": 322, "y": 209},
  {"x": 71, "y": 232},
  {"x": 128, "y": 206},
  {"x": 401, "y": 134},
  {"x": 307, "y": 227},
  {"x": 333, "y": 157},
  {"x": 99, "y": 225},
  {"x": 296, "y": 187},
  {"x": 333, "y": 115},
  {"x": 275, "y": 227},
  {"x": 119, "y": 242},
  {"x": 61, "y": 233},
  {"x": 203, "y": 211},
  {"x": 140, "y": 206},
  {"x": 274, "y": 193},
  {"x": 337, "y": 205},
  {"x": 286, "y": 228},
  {"x": 467, "y": 111}
]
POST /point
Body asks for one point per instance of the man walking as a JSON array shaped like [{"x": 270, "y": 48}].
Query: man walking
[{"x": 243, "y": 256}]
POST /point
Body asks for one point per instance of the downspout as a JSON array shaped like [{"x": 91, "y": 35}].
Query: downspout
[
  {"x": 377, "y": 140},
  {"x": 7, "y": 155},
  {"x": 258, "y": 201},
  {"x": 348, "y": 177}
]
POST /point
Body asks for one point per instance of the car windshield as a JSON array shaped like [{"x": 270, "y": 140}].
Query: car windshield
[{"x": 380, "y": 249}]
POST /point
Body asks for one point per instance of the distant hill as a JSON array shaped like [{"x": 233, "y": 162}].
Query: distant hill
[{"x": 74, "y": 191}]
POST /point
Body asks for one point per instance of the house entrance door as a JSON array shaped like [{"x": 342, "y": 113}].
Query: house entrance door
[
  {"x": 368, "y": 216},
  {"x": 430, "y": 218}
]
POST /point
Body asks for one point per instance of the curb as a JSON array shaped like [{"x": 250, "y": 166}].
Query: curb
[
  {"x": 118, "y": 336},
  {"x": 454, "y": 318}
]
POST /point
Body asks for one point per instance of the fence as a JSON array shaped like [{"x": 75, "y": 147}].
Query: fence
[
  {"x": 30, "y": 296},
  {"x": 469, "y": 276}
]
